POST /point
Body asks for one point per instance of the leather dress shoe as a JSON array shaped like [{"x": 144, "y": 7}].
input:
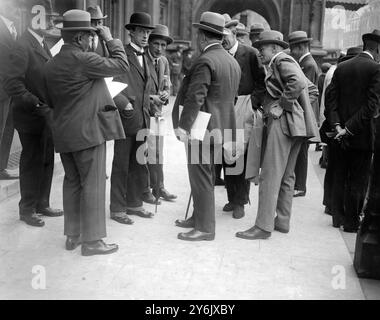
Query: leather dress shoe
[
  {"x": 238, "y": 212},
  {"x": 6, "y": 175},
  {"x": 195, "y": 235},
  {"x": 98, "y": 247},
  {"x": 189, "y": 223},
  {"x": 164, "y": 194},
  {"x": 149, "y": 198},
  {"x": 219, "y": 182},
  {"x": 299, "y": 194},
  {"x": 282, "y": 230},
  {"x": 141, "y": 213},
  {"x": 253, "y": 233},
  {"x": 50, "y": 212},
  {"x": 228, "y": 207},
  {"x": 123, "y": 219},
  {"x": 32, "y": 220},
  {"x": 72, "y": 242}
]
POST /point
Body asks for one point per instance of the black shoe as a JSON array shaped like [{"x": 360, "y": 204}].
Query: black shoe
[
  {"x": 6, "y": 175},
  {"x": 228, "y": 207},
  {"x": 282, "y": 230},
  {"x": 122, "y": 219},
  {"x": 299, "y": 194},
  {"x": 238, "y": 212},
  {"x": 72, "y": 242},
  {"x": 164, "y": 194},
  {"x": 195, "y": 235},
  {"x": 98, "y": 247},
  {"x": 32, "y": 220},
  {"x": 336, "y": 221},
  {"x": 149, "y": 198},
  {"x": 141, "y": 213},
  {"x": 219, "y": 182},
  {"x": 50, "y": 212},
  {"x": 189, "y": 223},
  {"x": 253, "y": 233}
]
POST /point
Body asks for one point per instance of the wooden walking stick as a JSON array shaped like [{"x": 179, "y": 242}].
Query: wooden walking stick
[{"x": 188, "y": 205}]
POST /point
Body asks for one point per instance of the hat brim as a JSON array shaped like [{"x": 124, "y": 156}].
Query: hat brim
[
  {"x": 259, "y": 43},
  {"x": 210, "y": 29},
  {"x": 300, "y": 41},
  {"x": 78, "y": 29},
  {"x": 232, "y": 23},
  {"x": 371, "y": 36},
  {"x": 256, "y": 31},
  {"x": 100, "y": 18},
  {"x": 133, "y": 25},
  {"x": 168, "y": 39}
]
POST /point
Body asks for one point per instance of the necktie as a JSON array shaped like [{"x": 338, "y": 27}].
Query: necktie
[
  {"x": 13, "y": 31},
  {"x": 44, "y": 44},
  {"x": 156, "y": 66}
]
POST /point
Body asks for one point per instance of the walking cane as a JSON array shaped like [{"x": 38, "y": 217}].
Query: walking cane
[
  {"x": 188, "y": 205},
  {"x": 157, "y": 188}
]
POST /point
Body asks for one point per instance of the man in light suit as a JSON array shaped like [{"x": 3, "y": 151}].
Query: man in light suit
[
  {"x": 84, "y": 118},
  {"x": 160, "y": 93},
  {"x": 30, "y": 115},
  {"x": 211, "y": 86},
  {"x": 129, "y": 175},
  {"x": 9, "y": 14},
  {"x": 300, "y": 50},
  {"x": 288, "y": 118},
  {"x": 251, "y": 85}
]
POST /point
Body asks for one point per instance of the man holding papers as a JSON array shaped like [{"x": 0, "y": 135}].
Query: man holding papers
[
  {"x": 211, "y": 86},
  {"x": 84, "y": 118}
]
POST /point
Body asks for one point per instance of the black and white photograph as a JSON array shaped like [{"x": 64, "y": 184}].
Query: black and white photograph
[{"x": 207, "y": 152}]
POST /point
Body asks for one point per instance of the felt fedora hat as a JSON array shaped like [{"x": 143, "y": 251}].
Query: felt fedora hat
[
  {"x": 229, "y": 22},
  {"x": 77, "y": 20},
  {"x": 212, "y": 22},
  {"x": 161, "y": 31},
  {"x": 241, "y": 30},
  {"x": 140, "y": 19},
  {"x": 298, "y": 37},
  {"x": 96, "y": 13},
  {"x": 374, "y": 36},
  {"x": 256, "y": 28},
  {"x": 271, "y": 37}
]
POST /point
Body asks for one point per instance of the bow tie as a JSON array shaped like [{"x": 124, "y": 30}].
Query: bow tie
[{"x": 138, "y": 53}]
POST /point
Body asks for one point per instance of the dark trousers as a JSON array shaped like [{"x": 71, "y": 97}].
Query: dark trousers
[
  {"x": 84, "y": 192},
  {"x": 218, "y": 170},
  {"x": 202, "y": 179},
  {"x": 155, "y": 162},
  {"x": 350, "y": 182},
  {"x": 36, "y": 170},
  {"x": 6, "y": 132},
  {"x": 301, "y": 167},
  {"x": 128, "y": 177},
  {"x": 332, "y": 149},
  {"x": 237, "y": 186},
  {"x": 373, "y": 205}
]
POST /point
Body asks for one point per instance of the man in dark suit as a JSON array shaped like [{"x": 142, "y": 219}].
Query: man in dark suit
[
  {"x": 85, "y": 117},
  {"x": 30, "y": 114},
  {"x": 351, "y": 105},
  {"x": 9, "y": 13},
  {"x": 300, "y": 49},
  {"x": 160, "y": 93},
  {"x": 252, "y": 85},
  {"x": 129, "y": 176},
  {"x": 211, "y": 86}
]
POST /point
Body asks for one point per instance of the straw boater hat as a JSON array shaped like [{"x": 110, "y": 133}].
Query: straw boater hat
[
  {"x": 77, "y": 20},
  {"x": 96, "y": 13},
  {"x": 212, "y": 22},
  {"x": 374, "y": 36},
  {"x": 140, "y": 19},
  {"x": 271, "y": 37},
  {"x": 241, "y": 30},
  {"x": 161, "y": 31},
  {"x": 256, "y": 28},
  {"x": 229, "y": 22},
  {"x": 298, "y": 37}
]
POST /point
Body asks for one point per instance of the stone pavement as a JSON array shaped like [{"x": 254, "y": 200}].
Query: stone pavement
[{"x": 152, "y": 264}]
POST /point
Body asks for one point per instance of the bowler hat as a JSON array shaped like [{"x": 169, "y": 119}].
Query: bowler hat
[
  {"x": 298, "y": 37},
  {"x": 374, "y": 36},
  {"x": 212, "y": 22},
  {"x": 229, "y": 22},
  {"x": 77, "y": 20},
  {"x": 140, "y": 19},
  {"x": 241, "y": 30},
  {"x": 161, "y": 31},
  {"x": 256, "y": 28},
  {"x": 96, "y": 13},
  {"x": 271, "y": 37}
]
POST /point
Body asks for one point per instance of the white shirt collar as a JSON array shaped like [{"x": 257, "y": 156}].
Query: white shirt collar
[
  {"x": 274, "y": 57},
  {"x": 304, "y": 56},
  {"x": 37, "y": 36},
  {"x": 136, "y": 47},
  {"x": 370, "y": 54},
  {"x": 234, "y": 48},
  {"x": 210, "y": 45},
  {"x": 9, "y": 24}
]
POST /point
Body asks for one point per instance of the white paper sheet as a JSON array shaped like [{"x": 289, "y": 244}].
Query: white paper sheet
[
  {"x": 198, "y": 130},
  {"x": 56, "y": 48},
  {"x": 157, "y": 126},
  {"x": 115, "y": 87}
]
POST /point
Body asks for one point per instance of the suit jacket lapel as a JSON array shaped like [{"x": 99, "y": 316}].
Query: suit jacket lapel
[
  {"x": 37, "y": 47},
  {"x": 152, "y": 68},
  {"x": 240, "y": 52},
  {"x": 132, "y": 58}
]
